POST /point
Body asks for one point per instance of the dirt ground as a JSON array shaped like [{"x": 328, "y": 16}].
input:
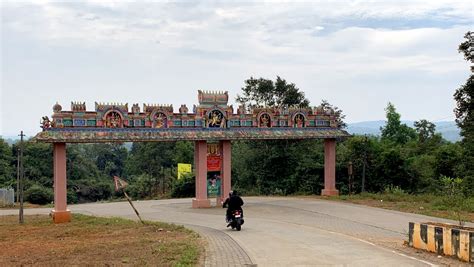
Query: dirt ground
[{"x": 95, "y": 241}]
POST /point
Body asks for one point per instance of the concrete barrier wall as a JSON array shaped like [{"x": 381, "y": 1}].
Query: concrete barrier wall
[
  {"x": 443, "y": 239},
  {"x": 7, "y": 197}
]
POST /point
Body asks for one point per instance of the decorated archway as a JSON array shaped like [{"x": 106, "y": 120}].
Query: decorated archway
[{"x": 212, "y": 126}]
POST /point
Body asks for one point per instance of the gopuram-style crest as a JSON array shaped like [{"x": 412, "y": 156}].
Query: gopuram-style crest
[
  {"x": 111, "y": 115},
  {"x": 158, "y": 115},
  {"x": 213, "y": 108},
  {"x": 212, "y": 112}
]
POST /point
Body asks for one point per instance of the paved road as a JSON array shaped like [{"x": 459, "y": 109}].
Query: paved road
[{"x": 285, "y": 231}]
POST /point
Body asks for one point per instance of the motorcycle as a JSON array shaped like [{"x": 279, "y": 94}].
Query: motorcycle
[{"x": 236, "y": 220}]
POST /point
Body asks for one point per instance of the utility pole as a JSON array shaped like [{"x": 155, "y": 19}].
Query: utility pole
[
  {"x": 364, "y": 163},
  {"x": 17, "y": 175},
  {"x": 22, "y": 177}
]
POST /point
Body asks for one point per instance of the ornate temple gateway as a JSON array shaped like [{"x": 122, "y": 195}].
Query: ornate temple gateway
[{"x": 213, "y": 121}]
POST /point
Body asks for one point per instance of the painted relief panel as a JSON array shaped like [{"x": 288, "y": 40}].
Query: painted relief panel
[
  {"x": 299, "y": 121},
  {"x": 216, "y": 119},
  {"x": 264, "y": 121},
  {"x": 113, "y": 119},
  {"x": 160, "y": 120}
]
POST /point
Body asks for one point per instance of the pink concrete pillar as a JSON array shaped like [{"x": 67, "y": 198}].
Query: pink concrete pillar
[
  {"x": 330, "y": 168},
  {"x": 226, "y": 168},
  {"x": 60, "y": 213},
  {"x": 200, "y": 169}
]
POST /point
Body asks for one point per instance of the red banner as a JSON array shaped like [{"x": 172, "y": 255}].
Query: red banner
[{"x": 213, "y": 163}]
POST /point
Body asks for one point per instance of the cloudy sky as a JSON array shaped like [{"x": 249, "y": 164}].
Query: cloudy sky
[{"x": 358, "y": 55}]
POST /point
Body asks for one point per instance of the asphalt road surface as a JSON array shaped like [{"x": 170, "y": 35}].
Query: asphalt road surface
[{"x": 286, "y": 231}]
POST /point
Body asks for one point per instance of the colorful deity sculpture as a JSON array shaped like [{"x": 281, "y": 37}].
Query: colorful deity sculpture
[
  {"x": 264, "y": 121},
  {"x": 183, "y": 109},
  {"x": 113, "y": 120},
  {"x": 216, "y": 119},
  {"x": 299, "y": 121},
  {"x": 46, "y": 122},
  {"x": 160, "y": 120}
]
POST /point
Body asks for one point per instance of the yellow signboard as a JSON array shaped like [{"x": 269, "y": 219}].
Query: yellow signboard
[{"x": 184, "y": 168}]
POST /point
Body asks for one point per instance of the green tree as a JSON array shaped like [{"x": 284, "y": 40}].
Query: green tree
[
  {"x": 149, "y": 158},
  {"x": 184, "y": 152},
  {"x": 278, "y": 166},
  {"x": 425, "y": 130},
  {"x": 81, "y": 164},
  {"x": 7, "y": 170},
  {"x": 154, "y": 164},
  {"x": 422, "y": 173},
  {"x": 338, "y": 112},
  {"x": 358, "y": 149},
  {"x": 464, "y": 111},
  {"x": 466, "y": 47},
  {"x": 85, "y": 181},
  {"x": 448, "y": 158},
  {"x": 266, "y": 93},
  {"x": 37, "y": 162},
  {"x": 109, "y": 158},
  {"x": 392, "y": 169},
  {"x": 394, "y": 130}
]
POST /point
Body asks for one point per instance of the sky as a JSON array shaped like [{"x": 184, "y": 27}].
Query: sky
[{"x": 358, "y": 55}]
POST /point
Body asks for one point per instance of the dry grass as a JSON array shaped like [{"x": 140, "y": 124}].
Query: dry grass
[
  {"x": 413, "y": 207},
  {"x": 26, "y": 205},
  {"x": 420, "y": 204},
  {"x": 94, "y": 241}
]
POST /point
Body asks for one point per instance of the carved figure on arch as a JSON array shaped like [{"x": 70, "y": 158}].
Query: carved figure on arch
[
  {"x": 160, "y": 120},
  {"x": 183, "y": 109},
  {"x": 265, "y": 121},
  {"x": 113, "y": 120},
  {"x": 46, "y": 122},
  {"x": 135, "y": 109},
  {"x": 299, "y": 121},
  {"x": 216, "y": 119}
]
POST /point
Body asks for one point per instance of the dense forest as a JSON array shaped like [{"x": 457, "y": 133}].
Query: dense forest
[{"x": 414, "y": 160}]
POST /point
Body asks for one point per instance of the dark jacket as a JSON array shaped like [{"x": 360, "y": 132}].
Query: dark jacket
[{"x": 233, "y": 203}]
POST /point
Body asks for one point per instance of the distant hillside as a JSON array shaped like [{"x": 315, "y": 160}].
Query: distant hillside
[
  {"x": 448, "y": 129},
  {"x": 9, "y": 139}
]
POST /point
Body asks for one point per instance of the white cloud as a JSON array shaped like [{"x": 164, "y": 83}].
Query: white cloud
[{"x": 344, "y": 51}]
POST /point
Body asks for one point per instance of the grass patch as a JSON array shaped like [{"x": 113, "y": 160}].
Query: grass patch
[
  {"x": 89, "y": 240},
  {"x": 426, "y": 204}
]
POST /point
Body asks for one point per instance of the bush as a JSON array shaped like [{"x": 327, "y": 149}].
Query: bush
[
  {"x": 72, "y": 197},
  {"x": 38, "y": 194},
  {"x": 454, "y": 197},
  {"x": 395, "y": 190},
  {"x": 184, "y": 187},
  {"x": 87, "y": 191},
  {"x": 141, "y": 186},
  {"x": 469, "y": 204}
]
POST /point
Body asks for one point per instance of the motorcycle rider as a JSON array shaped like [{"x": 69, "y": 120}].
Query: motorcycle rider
[{"x": 233, "y": 202}]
